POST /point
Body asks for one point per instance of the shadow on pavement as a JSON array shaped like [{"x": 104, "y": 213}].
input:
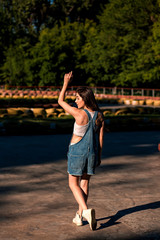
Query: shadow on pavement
[
  {"x": 33, "y": 178},
  {"x": 124, "y": 212},
  {"x": 27, "y": 150},
  {"x": 131, "y": 143},
  {"x": 145, "y": 236},
  {"x": 151, "y": 235}
]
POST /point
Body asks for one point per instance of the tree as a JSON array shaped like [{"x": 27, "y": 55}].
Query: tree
[
  {"x": 14, "y": 69},
  {"x": 40, "y": 40},
  {"x": 124, "y": 28},
  {"x": 77, "y": 11},
  {"x": 59, "y": 51}
]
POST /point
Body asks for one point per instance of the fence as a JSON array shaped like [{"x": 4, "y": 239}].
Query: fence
[
  {"x": 115, "y": 92},
  {"x": 105, "y": 92},
  {"x": 136, "y": 93}
]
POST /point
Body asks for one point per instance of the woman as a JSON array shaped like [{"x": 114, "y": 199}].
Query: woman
[{"x": 85, "y": 147}]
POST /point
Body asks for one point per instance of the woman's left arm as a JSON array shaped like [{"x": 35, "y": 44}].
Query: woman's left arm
[{"x": 101, "y": 136}]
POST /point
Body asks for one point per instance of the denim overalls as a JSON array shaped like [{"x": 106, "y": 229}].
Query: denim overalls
[{"x": 83, "y": 156}]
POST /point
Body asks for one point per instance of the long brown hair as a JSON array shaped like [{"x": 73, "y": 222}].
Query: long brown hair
[{"x": 88, "y": 97}]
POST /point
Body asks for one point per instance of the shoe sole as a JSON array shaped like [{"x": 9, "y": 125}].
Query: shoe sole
[
  {"x": 93, "y": 222},
  {"x": 78, "y": 224}
]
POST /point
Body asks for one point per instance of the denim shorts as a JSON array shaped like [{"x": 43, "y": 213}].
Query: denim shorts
[{"x": 80, "y": 161}]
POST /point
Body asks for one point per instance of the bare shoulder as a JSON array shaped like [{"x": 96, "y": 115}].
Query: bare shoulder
[{"x": 81, "y": 117}]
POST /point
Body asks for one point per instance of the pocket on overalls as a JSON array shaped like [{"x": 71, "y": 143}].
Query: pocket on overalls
[{"x": 76, "y": 161}]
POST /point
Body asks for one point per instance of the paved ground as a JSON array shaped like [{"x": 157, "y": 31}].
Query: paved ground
[{"x": 36, "y": 203}]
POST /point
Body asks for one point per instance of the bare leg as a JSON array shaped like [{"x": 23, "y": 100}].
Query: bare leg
[
  {"x": 77, "y": 191},
  {"x": 84, "y": 184},
  {"x": 81, "y": 195}
]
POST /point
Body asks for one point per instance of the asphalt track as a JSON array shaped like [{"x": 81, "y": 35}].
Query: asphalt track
[{"x": 36, "y": 203}]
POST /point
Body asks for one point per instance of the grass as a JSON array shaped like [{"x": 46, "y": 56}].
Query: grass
[{"x": 21, "y": 126}]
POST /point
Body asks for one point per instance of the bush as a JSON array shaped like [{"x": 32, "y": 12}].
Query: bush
[
  {"x": 39, "y": 112},
  {"x": 25, "y": 102}
]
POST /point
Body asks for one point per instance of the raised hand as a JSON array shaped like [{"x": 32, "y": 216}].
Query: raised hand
[{"x": 68, "y": 77}]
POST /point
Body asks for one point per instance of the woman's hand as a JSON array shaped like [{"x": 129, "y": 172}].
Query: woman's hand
[
  {"x": 68, "y": 77},
  {"x": 98, "y": 163}
]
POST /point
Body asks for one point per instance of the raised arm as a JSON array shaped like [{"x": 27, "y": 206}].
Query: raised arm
[{"x": 61, "y": 100}]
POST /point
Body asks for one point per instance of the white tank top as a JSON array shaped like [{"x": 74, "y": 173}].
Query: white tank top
[{"x": 80, "y": 130}]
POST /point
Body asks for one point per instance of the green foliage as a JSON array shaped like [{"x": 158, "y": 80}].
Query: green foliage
[
  {"x": 58, "y": 51},
  {"x": 14, "y": 68},
  {"x": 40, "y": 40},
  {"x": 77, "y": 11},
  {"x": 25, "y": 102},
  {"x": 125, "y": 30}
]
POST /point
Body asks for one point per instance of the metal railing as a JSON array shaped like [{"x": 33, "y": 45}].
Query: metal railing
[
  {"x": 106, "y": 92},
  {"x": 116, "y": 92}
]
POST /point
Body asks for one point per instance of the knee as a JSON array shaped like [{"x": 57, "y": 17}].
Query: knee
[{"x": 84, "y": 184}]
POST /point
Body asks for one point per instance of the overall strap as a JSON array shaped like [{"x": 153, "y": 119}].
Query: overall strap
[
  {"x": 94, "y": 117},
  {"x": 88, "y": 114}
]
